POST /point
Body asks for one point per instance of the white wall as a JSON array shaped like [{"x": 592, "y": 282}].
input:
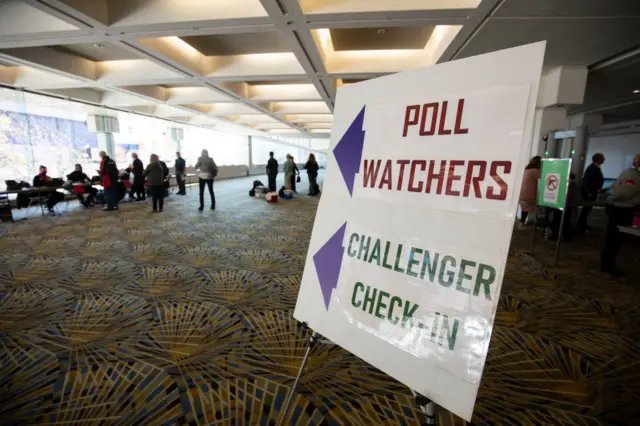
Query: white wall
[{"x": 615, "y": 149}]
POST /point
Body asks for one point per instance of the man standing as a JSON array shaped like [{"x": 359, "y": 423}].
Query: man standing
[
  {"x": 621, "y": 204},
  {"x": 109, "y": 173},
  {"x": 592, "y": 182},
  {"x": 138, "y": 180},
  {"x": 180, "y": 166},
  {"x": 272, "y": 172}
]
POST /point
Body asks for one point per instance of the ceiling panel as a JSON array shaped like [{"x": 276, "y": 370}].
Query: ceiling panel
[
  {"x": 380, "y": 38},
  {"x": 238, "y": 44},
  {"x": 98, "y": 52},
  {"x": 556, "y": 8}
]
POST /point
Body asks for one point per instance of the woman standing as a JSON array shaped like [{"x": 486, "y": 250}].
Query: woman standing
[
  {"x": 529, "y": 189},
  {"x": 155, "y": 178},
  {"x": 288, "y": 172},
  {"x": 208, "y": 172},
  {"x": 312, "y": 172}
]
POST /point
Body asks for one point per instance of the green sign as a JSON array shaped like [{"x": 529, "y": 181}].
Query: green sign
[{"x": 554, "y": 178}]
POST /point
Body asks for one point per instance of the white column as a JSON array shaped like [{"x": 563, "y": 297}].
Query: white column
[
  {"x": 105, "y": 143},
  {"x": 545, "y": 121}
]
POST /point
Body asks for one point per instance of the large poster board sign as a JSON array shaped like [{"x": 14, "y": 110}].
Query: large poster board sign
[
  {"x": 554, "y": 181},
  {"x": 411, "y": 236}
]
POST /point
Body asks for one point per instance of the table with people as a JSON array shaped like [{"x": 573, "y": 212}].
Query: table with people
[{"x": 621, "y": 201}]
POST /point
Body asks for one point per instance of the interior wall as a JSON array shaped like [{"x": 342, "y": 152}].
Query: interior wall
[{"x": 617, "y": 150}]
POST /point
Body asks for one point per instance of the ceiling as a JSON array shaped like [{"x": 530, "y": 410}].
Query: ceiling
[{"x": 273, "y": 66}]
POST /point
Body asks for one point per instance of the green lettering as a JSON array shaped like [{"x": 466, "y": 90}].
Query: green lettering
[
  {"x": 356, "y": 237},
  {"x": 375, "y": 253},
  {"x": 359, "y": 286},
  {"x": 386, "y": 255},
  {"x": 427, "y": 264},
  {"x": 395, "y": 300},
  {"x": 412, "y": 261},
  {"x": 398, "y": 257},
  {"x": 463, "y": 264},
  {"x": 450, "y": 274},
  {"x": 364, "y": 247},
  {"x": 408, "y": 313},
  {"x": 381, "y": 304},
  {"x": 369, "y": 300},
  {"x": 484, "y": 282},
  {"x": 451, "y": 334}
]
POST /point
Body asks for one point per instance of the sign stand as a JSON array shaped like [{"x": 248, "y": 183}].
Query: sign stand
[{"x": 427, "y": 406}]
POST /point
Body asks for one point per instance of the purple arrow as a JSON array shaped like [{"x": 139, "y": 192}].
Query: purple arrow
[
  {"x": 328, "y": 261},
  {"x": 348, "y": 151}
]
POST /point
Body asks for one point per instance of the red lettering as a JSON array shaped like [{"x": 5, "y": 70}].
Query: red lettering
[
  {"x": 440, "y": 176},
  {"x": 415, "y": 109},
  {"x": 386, "y": 176},
  {"x": 434, "y": 118},
  {"x": 453, "y": 177},
  {"x": 457, "y": 129},
  {"x": 412, "y": 175},
  {"x": 443, "y": 119},
  {"x": 502, "y": 195},
  {"x": 470, "y": 179},
  {"x": 402, "y": 163},
  {"x": 370, "y": 174}
]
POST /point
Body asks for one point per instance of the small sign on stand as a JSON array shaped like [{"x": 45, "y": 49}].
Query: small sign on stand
[
  {"x": 412, "y": 233},
  {"x": 552, "y": 193}
]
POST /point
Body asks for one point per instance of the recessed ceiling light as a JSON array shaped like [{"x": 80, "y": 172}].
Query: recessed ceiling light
[
  {"x": 381, "y": 31},
  {"x": 636, "y": 91},
  {"x": 98, "y": 46}
]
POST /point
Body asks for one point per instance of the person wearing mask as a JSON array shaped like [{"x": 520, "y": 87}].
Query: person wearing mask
[
  {"x": 294, "y": 175},
  {"x": 592, "y": 182},
  {"x": 109, "y": 173},
  {"x": 40, "y": 180},
  {"x": 207, "y": 173},
  {"x": 155, "y": 175},
  {"x": 529, "y": 188},
  {"x": 573, "y": 200},
  {"x": 78, "y": 176},
  {"x": 621, "y": 203},
  {"x": 272, "y": 172},
  {"x": 138, "y": 180},
  {"x": 311, "y": 167},
  {"x": 180, "y": 166},
  {"x": 288, "y": 172}
]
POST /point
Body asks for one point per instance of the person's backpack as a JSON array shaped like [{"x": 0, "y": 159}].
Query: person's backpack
[
  {"x": 214, "y": 169},
  {"x": 257, "y": 183},
  {"x": 252, "y": 193}
]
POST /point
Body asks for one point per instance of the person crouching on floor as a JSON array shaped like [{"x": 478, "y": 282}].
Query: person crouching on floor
[{"x": 155, "y": 178}]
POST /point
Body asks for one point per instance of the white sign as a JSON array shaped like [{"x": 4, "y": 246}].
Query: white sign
[
  {"x": 551, "y": 185},
  {"x": 411, "y": 236}
]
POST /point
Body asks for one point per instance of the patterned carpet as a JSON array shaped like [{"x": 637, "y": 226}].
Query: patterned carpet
[{"x": 130, "y": 318}]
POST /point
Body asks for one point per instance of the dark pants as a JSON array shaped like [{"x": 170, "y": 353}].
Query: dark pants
[
  {"x": 181, "y": 184},
  {"x": 293, "y": 182},
  {"x": 208, "y": 183},
  {"x": 567, "y": 228},
  {"x": 523, "y": 217},
  {"x": 313, "y": 184},
  {"x": 584, "y": 214},
  {"x": 272, "y": 182},
  {"x": 157, "y": 197},
  {"x": 111, "y": 196},
  {"x": 137, "y": 189},
  {"x": 91, "y": 192},
  {"x": 54, "y": 198},
  {"x": 613, "y": 238}
]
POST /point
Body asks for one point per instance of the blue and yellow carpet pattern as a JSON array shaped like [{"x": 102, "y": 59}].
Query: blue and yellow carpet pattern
[{"x": 185, "y": 318}]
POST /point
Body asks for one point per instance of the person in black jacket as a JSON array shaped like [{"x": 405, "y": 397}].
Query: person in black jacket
[
  {"x": 78, "y": 176},
  {"x": 592, "y": 182},
  {"x": 109, "y": 173},
  {"x": 138, "y": 180},
  {"x": 272, "y": 172},
  {"x": 294, "y": 175},
  {"x": 180, "y": 165},
  {"x": 312, "y": 172}
]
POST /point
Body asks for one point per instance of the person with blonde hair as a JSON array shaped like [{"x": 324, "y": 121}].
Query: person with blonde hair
[
  {"x": 155, "y": 178},
  {"x": 288, "y": 171},
  {"x": 208, "y": 172}
]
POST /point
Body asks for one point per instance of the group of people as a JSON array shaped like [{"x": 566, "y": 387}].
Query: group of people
[
  {"x": 291, "y": 173},
  {"x": 621, "y": 201}
]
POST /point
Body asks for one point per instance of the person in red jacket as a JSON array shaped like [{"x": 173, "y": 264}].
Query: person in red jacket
[{"x": 109, "y": 173}]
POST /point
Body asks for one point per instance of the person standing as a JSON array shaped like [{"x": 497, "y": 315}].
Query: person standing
[
  {"x": 78, "y": 176},
  {"x": 623, "y": 201},
  {"x": 138, "y": 180},
  {"x": 312, "y": 172},
  {"x": 155, "y": 178},
  {"x": 294, "y": 175},
  {"x": 592, "y": 182},
  {"x": 208, "y": 172},
  {"x": 109, "y": 173},
  {"x": 272, "y": 172},
  {"x": 288, "y": 172},
  {"x": 529, "y": 188},
  {"x": 180, "y": 166}
]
